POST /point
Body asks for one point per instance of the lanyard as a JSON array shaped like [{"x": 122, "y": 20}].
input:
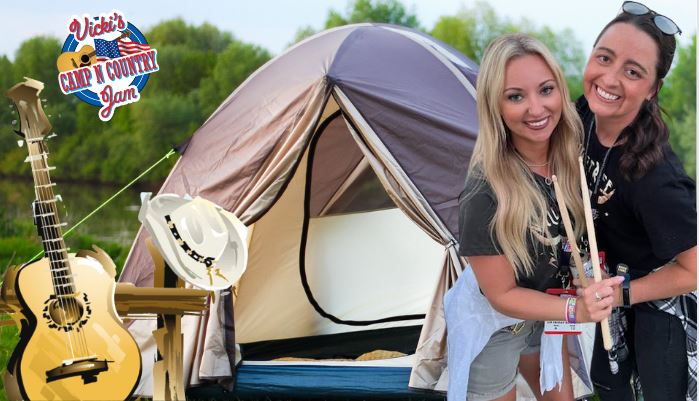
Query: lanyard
[{"x": 598, "y": 180}]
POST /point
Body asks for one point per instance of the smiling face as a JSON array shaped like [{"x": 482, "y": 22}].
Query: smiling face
[
  {"x": 531, "y": 102},
  {"x": 620, "y": 74}
]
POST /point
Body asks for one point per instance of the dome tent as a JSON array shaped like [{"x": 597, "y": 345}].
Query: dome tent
[{"x": 345, "y": 157}]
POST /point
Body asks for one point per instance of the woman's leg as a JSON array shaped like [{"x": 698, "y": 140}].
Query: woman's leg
[
  {"x": 510, "y": 396},
  {"x": 529, "y": 367},
  {"x": 493, "y": 372}
]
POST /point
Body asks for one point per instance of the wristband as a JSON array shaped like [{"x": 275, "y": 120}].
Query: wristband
[
  {"x": 623, "y": 270},
  {"x": 571, "y": 309}
]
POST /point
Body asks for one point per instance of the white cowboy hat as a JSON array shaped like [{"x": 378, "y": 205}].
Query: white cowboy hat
[{"x": 203, "y": 244}]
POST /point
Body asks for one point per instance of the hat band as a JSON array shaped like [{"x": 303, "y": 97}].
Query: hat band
[{"x": 208, "y": 261}]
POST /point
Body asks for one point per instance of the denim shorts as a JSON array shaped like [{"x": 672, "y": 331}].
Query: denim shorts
[{"x": 494, "y": 370}]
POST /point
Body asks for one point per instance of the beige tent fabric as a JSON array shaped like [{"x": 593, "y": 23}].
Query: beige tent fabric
[
  {"x": 205, "y": 355},
  {"x": 275, "y": 172},
  {"x": 271, "y": 301},
  {"x": 265, "y": 186},
  {"x": 430, "y": 355}
]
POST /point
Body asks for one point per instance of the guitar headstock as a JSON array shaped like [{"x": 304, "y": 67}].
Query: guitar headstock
[{"x": 34, "y": 124}]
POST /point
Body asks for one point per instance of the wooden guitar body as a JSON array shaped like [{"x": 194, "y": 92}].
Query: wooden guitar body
[
  {"x": 72, "y": 347},
  {"x": 71, "y": 60}
]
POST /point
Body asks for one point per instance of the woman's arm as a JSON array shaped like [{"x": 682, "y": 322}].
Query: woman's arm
[
  {"x": 676, "y": 278},
  {"x": 497, "y": 281}
]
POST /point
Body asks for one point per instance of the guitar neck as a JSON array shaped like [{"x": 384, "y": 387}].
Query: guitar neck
[{"x": 47, "y": 220}]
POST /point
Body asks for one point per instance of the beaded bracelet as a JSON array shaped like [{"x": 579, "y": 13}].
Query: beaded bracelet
[{"x": 570, "y": 309}]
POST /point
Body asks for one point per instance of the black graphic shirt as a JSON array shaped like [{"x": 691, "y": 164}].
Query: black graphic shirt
[
  {"x": 643, "y": 223},
  {"x": 477, "y": 206}
]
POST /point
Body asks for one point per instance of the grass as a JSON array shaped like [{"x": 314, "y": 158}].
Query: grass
[{"x": 8, "y": 340}]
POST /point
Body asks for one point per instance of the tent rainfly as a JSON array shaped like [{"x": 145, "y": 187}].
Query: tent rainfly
[{"x": 344, "y": 157}]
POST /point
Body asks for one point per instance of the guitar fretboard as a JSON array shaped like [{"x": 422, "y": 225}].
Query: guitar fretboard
[{"x": 46, "y": 217}]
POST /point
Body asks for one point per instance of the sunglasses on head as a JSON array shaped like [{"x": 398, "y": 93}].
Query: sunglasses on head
[{"x": 665, "y": 24}]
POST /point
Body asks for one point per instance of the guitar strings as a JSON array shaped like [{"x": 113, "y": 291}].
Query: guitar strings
[
  {"x": 70, "y": 293},
  {"x": 44, "y": 211},
  {"x": 43, "y": 217},
  {"x": 66, "y": 288},
  {"x": 57, "y": 248}
]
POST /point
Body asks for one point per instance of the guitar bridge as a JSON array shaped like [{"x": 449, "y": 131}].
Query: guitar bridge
[{"x": 88, "y": 368}]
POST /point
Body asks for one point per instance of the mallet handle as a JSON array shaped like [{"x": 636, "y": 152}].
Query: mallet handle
[
  {"x": 569, "y": 232},
  {"x": 594, "y": 255}
]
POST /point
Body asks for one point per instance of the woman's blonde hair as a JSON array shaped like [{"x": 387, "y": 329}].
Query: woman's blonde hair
[{"x": 521, "y": 207}]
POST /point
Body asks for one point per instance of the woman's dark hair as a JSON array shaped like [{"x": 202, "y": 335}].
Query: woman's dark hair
[{"x": 644, "y": 138}]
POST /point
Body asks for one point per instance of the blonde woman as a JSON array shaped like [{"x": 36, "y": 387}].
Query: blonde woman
[{"x": 510, "y": 227}]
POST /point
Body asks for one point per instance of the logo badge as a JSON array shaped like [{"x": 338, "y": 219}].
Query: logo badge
[{"x": 105, "y": 61}]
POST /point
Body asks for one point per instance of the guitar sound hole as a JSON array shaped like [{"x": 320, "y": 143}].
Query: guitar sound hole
[
  {"x": 67, "y": 313},
  {"x": 84, "y": 58}
]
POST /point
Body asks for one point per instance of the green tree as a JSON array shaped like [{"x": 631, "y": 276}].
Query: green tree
[
  {"x": 36, "y": 58},
  {"x": 233, "y": 66},
  {"x": 205, "y": 37},
  {"x": 181, "y": 69},
  {"x": 7, "y": 112},
  {"x": 678, "y": 99},
  {"x": 382, "y": 11},
  {"x": 302, "y": 33},
  {"x": 186, "y": 54},
  {"x": 459, "y": 32},
  {"x": 473, "y": 28},
  {"x": 387, "y": 11}
]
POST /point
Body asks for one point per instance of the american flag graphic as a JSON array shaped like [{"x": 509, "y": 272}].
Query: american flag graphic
[{"x": 106, "y": 49}]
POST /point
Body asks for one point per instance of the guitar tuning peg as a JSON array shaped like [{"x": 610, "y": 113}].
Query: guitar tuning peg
[
  {"x": 52, "y": 135},
  {"x": 43, "y": 100},
  {"x": 20, "y": 143},
  {"x": 14, "y": 122},
  {"x": 59, "y": 198}
]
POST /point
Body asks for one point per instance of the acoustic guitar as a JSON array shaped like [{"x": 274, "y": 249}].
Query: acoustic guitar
[
  {"x": 84, "y": 57},
  {"x": 72, "y": 344}
]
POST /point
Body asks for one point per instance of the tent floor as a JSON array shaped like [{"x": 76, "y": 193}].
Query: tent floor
[{"x": 316, "y": 383}]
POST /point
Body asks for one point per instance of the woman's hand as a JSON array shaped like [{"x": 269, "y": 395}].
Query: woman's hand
[
  {"x": 618, "y": 300},
  {"x": 595, "y": 302}
]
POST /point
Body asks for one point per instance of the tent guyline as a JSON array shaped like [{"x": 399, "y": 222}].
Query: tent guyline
[{"x": 103, "y": 204}]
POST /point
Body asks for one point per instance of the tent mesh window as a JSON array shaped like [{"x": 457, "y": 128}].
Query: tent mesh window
[
  {"x": 364, "y": 194},
  {"x": 341, "y": 180}
]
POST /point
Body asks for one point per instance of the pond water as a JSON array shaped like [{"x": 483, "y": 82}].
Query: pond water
[{"x": 116, "y": 222}]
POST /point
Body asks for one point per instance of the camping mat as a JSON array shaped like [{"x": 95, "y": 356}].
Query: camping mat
[
  {"x": 289, "y": 382},
  {"x": 369, "y": 356}
]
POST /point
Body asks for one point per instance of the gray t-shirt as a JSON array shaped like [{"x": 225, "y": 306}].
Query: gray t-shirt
[{"x": 477, "y": 205}]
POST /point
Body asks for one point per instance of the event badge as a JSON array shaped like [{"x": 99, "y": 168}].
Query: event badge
[{"x": 561, "y": 326}]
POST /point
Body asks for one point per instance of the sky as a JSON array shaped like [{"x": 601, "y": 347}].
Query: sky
[{"x": 272, "y": 24}]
